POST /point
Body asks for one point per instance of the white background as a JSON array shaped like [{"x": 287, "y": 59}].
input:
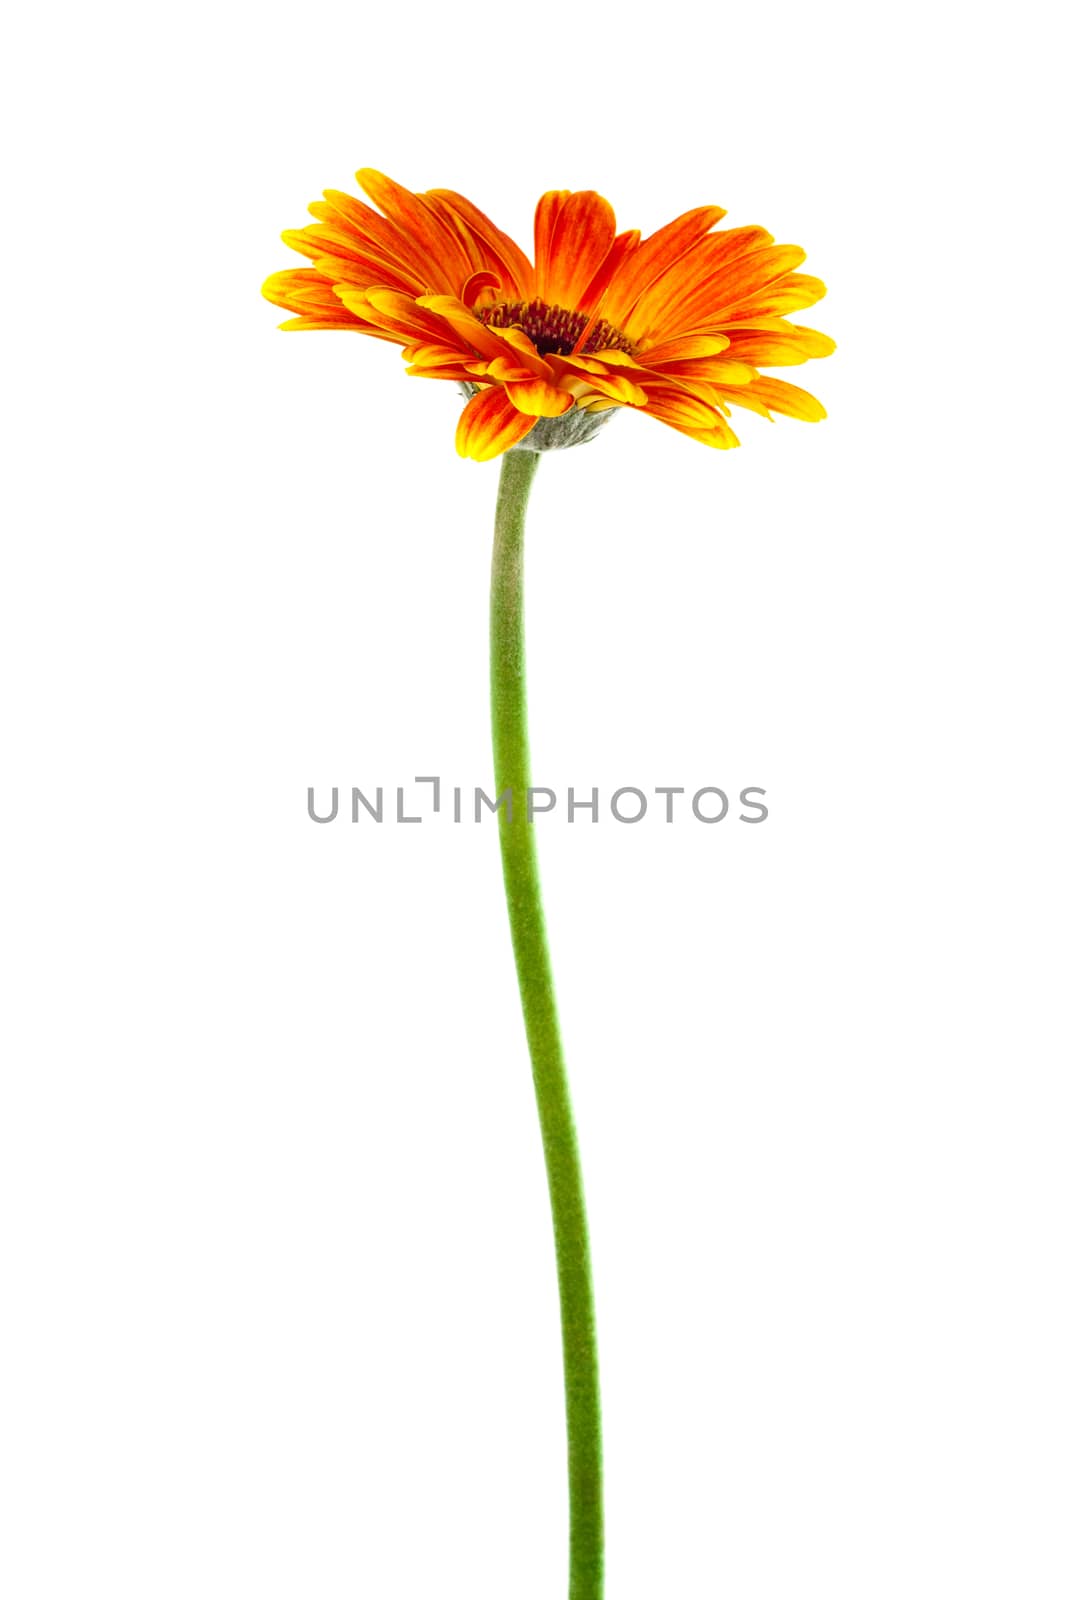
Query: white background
[{"x": 279, "y": 1297}]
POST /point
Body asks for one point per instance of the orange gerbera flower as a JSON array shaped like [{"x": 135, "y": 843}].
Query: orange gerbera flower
[{"x": 677, "y": 325}]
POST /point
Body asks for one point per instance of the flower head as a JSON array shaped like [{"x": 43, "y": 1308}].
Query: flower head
[{"x": 678, "y": 325}]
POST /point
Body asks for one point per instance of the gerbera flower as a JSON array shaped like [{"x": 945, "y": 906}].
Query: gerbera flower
[{"x": 678, "y": 325}]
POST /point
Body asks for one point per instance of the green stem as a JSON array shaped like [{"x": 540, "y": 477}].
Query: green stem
[{"x": 530, "y": 943}]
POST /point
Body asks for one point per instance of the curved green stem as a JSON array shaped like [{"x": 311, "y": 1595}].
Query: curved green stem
[{"x": 517, "y": 847}]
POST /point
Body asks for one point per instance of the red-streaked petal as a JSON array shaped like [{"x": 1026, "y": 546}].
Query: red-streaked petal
[
  {"x": 619, "y": 390},
  {"x": 795, "y": 292},
  {"x": 576, "y": 365},
  {"x": 454, "y": 228},
  {"x": 337, "y": 238},
  {"x": 370, "y": 261},
  {"x": 692, "y": 347},
  {"x": 786, "y": 346},
  {"x": 603, "y": 362},
  {"x": 658, "y": 252},
  {"x": 507, "y": 370},
  {"x": 590, "y": 303},
  {"x": 618, "y": 358},
  {"x": 465, "y": 324},
  {"x": 439, "y": 355},
  {"x": 457, "y": 373},
  {"x": 656, "y": 313},
  {"x": 303, "y": 289},
  {"x": 687, "y": 297},
  {"x": 692, "y": 417},
  {"x": 377, "y": 236},
  {"x": 314, "y": 301},
  {"x": 307, "y": 324},
  {"x": 400, "y": 316},
  {"x": 430, "y": 236},
  {"x": 489, "y": 425},
  {"x": 474, "y": 286},
  {"x": 500, "y": 252},
  {"x": 399, "y": 307},
  {"x": 714, "y": 370},
  {"x": 580, "y": 375},
  {"x": 365, "y": 274},
  {"x": 583, "y": 235},
  {"x": 776, "y": 395},
  {"x": 536, "y": 398},
  {"x": 320, "y": 239},
  {"x": 681, "y": 406},
  {"x": 521, "y": 342},
  {"x": 548, "y": 209},
  {"x": 489, "y": 342},
  {"x": 731, "y": 281}
]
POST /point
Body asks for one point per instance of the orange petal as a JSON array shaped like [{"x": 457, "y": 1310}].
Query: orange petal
[
  {"x": 581, "y": 373},
  {"x": 690, "y": 416},
  {"x": 365, "y": 274},
  {"x": 402, "y": 318},
  {"x": 520, "y": 341},
  {"x": 604, "y": 361},
  {"x": 654, "y": 313},
  {"x": 455, "y": 229},
  {"x": 548, "y": 209},
  {"x": 489, "y": 425},
  {"x": 334, "y": 237},
  {"x": 619, "y": 390},
  {"x": 319, "y": 238},
  {"x": 399, "y": 307},
  {"x": 583, "y": 234},
  {"x": 475, "y": 284},
  {"x": 506, "y": 370},
  {"x": 315, "y": 305},
  {"x": 693, "y": 347},
  {"x": 794, "y": 292},
  {"x": 464, "y": 324},
  {"x": 374, "y": 235},
  {"x": 425, "y": 233},
  {"x": 617, "y": 358},
  {"x": 301, "y": 288},
  {"x": 786, "y": 346},
  {"x": 457, "y": 373},
  {"x": 489, "y": 342},
  {"x": 659, "y": 251},
  {"x": 731, "y": 281},
  {"x": 716, "y": 272},
  {"x": 537, "y": 398},
  {"x": 720, "y": 369},
  {"x": 775, "y": 395},
  {"x": 500, "y": 252},
  {"x": 438, "y": 355},
  {"x": 679, "y": 406},
  {"x": 607, "y": 273},
  {"x": 305, "y": 324}
]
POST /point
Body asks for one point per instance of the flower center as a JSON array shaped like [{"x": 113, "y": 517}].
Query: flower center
[{"x": 552, "y": 330}]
